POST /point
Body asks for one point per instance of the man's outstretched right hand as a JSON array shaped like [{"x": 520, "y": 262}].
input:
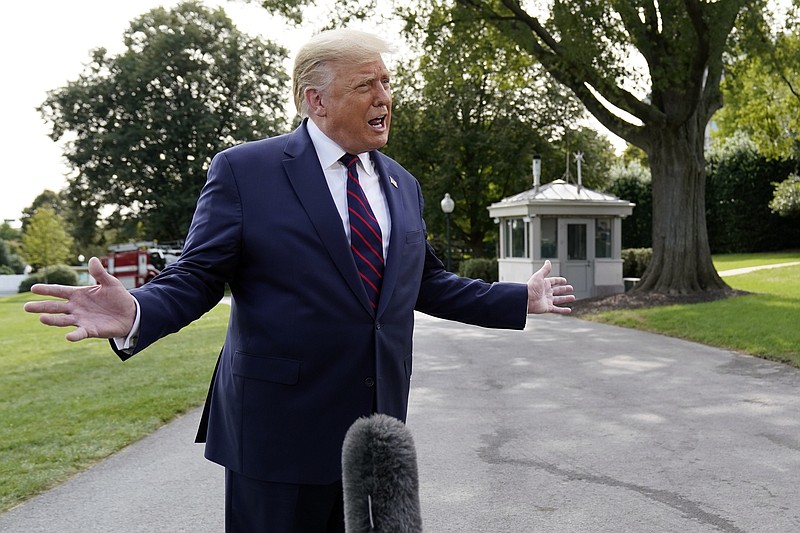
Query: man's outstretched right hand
[{"x": 105, "y": 310}]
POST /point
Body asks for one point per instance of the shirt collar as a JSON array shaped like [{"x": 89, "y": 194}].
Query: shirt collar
[{"x": 329, "y": 152}]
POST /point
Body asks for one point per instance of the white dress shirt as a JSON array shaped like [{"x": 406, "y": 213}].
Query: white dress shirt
[{"x": 329, "y": 154}]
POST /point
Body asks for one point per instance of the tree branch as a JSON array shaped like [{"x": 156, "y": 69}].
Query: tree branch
[
  {"x": 645, "y": 35},
  {"x": 698, "y": 69},
  {"x": 555, "y": 60}
]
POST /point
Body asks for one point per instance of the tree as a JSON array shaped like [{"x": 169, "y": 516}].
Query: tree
[
  {"x": 10, "y": 261},
  {"x": 7, "y": 233},
  {"x": 142, "y": 126},
  {"x": 468, "y": 119},
  {"x": 44, "y": 241},
  {"x": 588, "y": 45},
  {"x": 761, "y": 88},
  {"x": 46, "y": 198},
  {"x": 66, "y": 212}
]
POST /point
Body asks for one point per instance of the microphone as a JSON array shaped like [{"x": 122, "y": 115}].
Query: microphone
[{"x": 379, "y": 477}]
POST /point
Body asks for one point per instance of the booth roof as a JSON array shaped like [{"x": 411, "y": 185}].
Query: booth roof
[{"x": 560, "y": 190}]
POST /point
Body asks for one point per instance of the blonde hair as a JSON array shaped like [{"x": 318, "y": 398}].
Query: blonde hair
[{"x": 311, "y": 64}]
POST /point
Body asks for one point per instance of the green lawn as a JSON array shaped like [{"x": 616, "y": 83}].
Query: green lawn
[
  {"x": 765, "y": 323},
  {"x": 733, "y": 261},
  {"x": 64, "y": 406}
]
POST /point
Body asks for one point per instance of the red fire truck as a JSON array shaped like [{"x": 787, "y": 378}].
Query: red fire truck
[{"x": 136, "y": 263}]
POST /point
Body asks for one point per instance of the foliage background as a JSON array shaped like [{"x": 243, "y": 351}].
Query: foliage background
[
  {"x": 739, "y": 189},
  {"x": 141, "y": 127}
]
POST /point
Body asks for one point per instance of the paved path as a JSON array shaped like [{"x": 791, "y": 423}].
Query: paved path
[
  {"x": 747, "y": 270},
  {"x": 573, "y": 426},
  {"x": 568, "y": 426}
]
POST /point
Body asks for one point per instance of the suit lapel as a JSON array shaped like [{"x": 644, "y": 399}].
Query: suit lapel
[
  {"x": 397, "y": 212},
  {"x": 308, "y": 182}
]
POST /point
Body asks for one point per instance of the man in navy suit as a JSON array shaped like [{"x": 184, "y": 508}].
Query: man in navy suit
[{"x": 311, "y": 346}]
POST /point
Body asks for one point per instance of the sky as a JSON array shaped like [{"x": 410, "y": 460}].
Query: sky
[{"x": 44, "y": 45}]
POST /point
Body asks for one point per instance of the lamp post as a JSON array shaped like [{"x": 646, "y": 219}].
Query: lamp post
[{"x": 447, "y": 207}]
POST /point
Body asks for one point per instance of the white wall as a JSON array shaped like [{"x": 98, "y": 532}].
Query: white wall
[{"x": 9, "y": 283}]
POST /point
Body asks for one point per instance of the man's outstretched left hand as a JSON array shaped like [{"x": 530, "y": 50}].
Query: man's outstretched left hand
[{"x": 548, "y": 295}]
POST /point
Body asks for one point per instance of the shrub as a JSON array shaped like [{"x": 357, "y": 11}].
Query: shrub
[
  {"x": 635, "y": 261},
  {"x": 632, "y": 183},
  {"x": 479, "y": 268},
  {"x": 9, "y": 258},
  {"x": 16, "y": 264},
  {"x": 60, "y": 274},
  {"x": 786, "y": 198},
  {"x": 739, "y": 189}
]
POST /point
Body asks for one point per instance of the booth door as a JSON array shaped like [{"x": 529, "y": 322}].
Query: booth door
[{"x": 577, "y": 264}]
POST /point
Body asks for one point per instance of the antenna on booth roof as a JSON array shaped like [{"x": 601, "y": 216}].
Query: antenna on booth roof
[
  {"x": 578, "y": 161},
  {"x": 537, "y": 172}
]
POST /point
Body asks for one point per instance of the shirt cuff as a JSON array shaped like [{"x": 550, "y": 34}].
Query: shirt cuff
[{"x": 128, "y": 343}]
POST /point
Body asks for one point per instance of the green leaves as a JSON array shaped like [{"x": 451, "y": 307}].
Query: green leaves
[
  {"x": 44, "y": 242},
  {"x": 762, "y": 95},
  {"x": 786, "y": 201},
  {"x": 142, "y": 126},
  {"x": 470, "y": 113}
]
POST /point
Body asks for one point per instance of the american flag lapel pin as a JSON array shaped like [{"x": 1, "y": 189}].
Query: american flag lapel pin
[{"x": 393, "y": 182}]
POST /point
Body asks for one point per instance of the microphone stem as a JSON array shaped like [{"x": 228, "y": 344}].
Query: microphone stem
[{"x": 369, "y": 504}]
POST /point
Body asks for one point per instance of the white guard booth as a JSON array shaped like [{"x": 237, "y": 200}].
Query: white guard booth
[{"x": 577, "y": 229}]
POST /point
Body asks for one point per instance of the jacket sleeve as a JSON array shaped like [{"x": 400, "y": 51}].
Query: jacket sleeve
[
  {"x": 472, "y": 301},
  {"x": 191, "y": 286}
]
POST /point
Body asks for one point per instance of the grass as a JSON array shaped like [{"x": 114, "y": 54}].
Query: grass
[
  {"x": 66, "y": 405},
  {"x": 733, "y": 261},
  {"x": 765, "y": 324}
]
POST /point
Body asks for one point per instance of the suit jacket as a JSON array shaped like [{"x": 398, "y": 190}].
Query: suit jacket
[{"x": 305, "y": 355}]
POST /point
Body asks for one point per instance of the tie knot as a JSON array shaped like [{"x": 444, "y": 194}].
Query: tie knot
[{"x": 348, "y": 159}]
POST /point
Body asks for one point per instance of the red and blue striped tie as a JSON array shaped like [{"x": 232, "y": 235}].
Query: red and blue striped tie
[{"x": 366, "y": 241}]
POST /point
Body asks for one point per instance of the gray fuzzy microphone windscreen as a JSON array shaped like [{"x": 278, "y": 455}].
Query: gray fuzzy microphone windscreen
[{"x": 379, "y": 477}]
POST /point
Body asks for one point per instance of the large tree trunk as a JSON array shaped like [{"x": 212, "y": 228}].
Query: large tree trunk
[{"x": 681, "y": 261}]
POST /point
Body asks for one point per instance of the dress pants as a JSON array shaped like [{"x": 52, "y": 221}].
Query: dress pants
[{"x": 255, "y": 506}]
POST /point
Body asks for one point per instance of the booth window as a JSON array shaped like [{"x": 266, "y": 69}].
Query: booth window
[
  {"x": 576, "y": 242},
  {"x": 602, "y": 237},
  {"x": 549, "y": 247},
  {"x": 516, "y": 237}
]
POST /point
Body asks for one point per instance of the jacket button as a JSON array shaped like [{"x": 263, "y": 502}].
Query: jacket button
[
  {"x": 378, "y": 325},
  {"x": 369, "y": 382}
]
